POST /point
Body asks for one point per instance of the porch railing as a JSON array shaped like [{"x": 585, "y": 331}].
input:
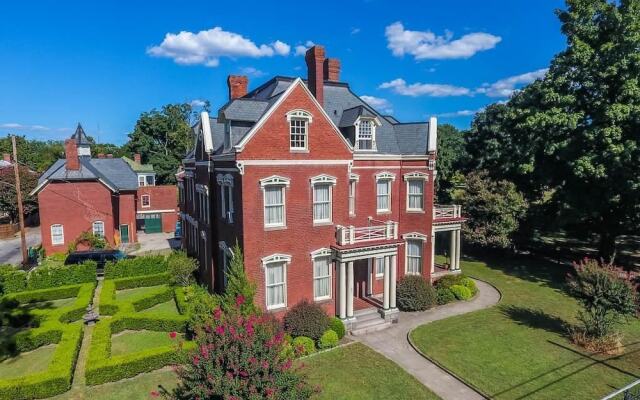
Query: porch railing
[
  {"x": 346, "y": 235},
  {"x": 444, "y": 212}
]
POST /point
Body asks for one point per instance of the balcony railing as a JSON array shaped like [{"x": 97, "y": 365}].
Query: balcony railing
[
  {"x": 446, "y": 212},
  {"x": 346, "y": 235}
]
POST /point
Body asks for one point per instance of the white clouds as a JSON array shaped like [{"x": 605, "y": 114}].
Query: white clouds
[
  {"x": 301, "y": 49},
  {"x": 355, "y": 31},
  {"x": 461, "y": 113},
  {"x": 505, "y": 87},
  {"x": 207, "y": 47},
  {"x": 253, "y": 72},
  {"x": 401, "y": 87},
  {"x": 21, "y": 127},
  {"x": 197, "y": 103},
  {"x": 424, "y": 45},
  {"x": 378, "y": 103}
]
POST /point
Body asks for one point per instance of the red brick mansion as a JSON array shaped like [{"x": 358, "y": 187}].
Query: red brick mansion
[{"x": 330, "y": 200}]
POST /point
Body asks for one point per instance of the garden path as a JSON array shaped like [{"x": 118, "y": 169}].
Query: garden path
[
  {"x": 78, "y": 376},
  {"x": 394, "y": 344}
]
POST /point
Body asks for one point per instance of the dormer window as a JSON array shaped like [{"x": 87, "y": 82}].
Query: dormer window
[
  {"x": 227, "y": 136},
  {"x": 366, "y": 134},
  {"x": 299, "y": 121}
]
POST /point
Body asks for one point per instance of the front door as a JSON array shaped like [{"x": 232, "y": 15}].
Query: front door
[
  {"x": 153, "y": 223},
  {"x": 360, "y": 278},
  {"x": 124, "y": 233}
]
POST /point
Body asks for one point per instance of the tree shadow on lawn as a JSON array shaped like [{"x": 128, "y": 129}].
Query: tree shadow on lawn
[
  {"x": 535, "y": 318},
  {"x": 14, "y": 318}
]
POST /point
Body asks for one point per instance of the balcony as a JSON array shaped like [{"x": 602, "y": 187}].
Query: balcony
[
  {"x": 350, "y": 235},
  {"x": 441, "y": 212}
]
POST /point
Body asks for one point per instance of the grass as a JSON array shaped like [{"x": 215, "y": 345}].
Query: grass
[
  {"x": 27, "y": 363},
  {"x": 168, "y": 307},
  {"x": 52, "y": 303},
  {"x": 136, "y": 388},
  {"x": 128, "y": 294},
  {"x": 133, "y": 341},
  {"x": 356, "y": 372},
  {"x": 519, "y": 349}
]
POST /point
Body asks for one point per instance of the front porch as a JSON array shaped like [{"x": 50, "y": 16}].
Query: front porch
[{"x": 447, "y": 220}]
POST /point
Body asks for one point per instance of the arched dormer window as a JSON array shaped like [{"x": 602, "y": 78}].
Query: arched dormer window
[
  {"x": 299, "y": 121},
  {"x": 366, "y": 133}
]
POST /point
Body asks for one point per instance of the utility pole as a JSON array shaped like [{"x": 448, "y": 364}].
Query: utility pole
[{"x": 23, "y": 239}]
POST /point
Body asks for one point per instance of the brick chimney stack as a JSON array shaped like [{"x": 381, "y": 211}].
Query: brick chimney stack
[
  {"x": 238, "y": 85},
  {"x": 100, "y": 155},
  {"x": 137, "y": 158},
  {"x": 332, "y": 70},
  {"x": 315, "y": 72},
  {"x": 71, "y": 154},
  {"x": 6, "y": 157}
]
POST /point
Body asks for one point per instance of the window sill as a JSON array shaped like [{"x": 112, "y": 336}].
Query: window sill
[
  {"x": 304, "y": 151},
  {"x": 276, "y": 308},
  {"x": 383, "y": 212},
  {"x": 323, "y": 300},
  {"x": 416, "y": 211},
  {"x": 327, "y": 223},
  {"x": 275, "y": 228},
  {"x": 379, "y": 277}
]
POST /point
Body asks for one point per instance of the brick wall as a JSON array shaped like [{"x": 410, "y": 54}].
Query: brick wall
[{"x": 162, "y": 198}]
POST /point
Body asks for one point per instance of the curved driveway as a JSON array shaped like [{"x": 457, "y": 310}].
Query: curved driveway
[{"x": 393, "y": 343}]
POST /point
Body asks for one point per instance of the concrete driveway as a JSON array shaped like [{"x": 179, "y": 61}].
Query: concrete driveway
[
  {"x": 153, "y": 242},
  {"x": 10, "y": 248}
]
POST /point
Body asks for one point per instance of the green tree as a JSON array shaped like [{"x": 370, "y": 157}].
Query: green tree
[
  {"x": 238, "y": 284},
  {"x": 8, "y": 193},
  {"x": 451, "y": 155},
  {"x": 181, "y": 268},
  {"x": 495, "y": 209},
  {"x": 163, "y": 137}
]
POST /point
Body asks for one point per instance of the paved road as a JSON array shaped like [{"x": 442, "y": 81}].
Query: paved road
[
  {"x": 151, "y": 242},
  {"x": 10, "y": 248},
  {"x": 393, "y": 344}
]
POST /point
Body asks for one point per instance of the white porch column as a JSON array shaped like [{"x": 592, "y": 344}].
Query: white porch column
[
  {"x": 458, "y": 249},
  {"x": 452, "y": 251},
  {"x": 343, "y": 291},
  {"x": 350, "y": 289},
  {"x": 392, "y": 300},
  {"x": 386, "y": 283},
  {"x": 433, "y": 251}
]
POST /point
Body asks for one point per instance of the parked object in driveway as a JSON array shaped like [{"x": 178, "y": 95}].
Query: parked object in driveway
[{"x": 101, "y": 257}]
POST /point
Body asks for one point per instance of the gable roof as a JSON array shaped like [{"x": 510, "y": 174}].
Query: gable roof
[
  {"x": 114, "y": 173},
  {"x": 137, "y": 167},
  {"x": 341, "y": 106}
]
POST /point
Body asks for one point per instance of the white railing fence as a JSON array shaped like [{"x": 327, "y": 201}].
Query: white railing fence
[
  {"x": 453, "y": 211},
  {"x": 629, "y": 392},
  {"x": 351, "y": 235}
]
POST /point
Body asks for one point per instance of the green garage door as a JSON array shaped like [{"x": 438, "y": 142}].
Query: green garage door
[{"x": 152, "y": 223}]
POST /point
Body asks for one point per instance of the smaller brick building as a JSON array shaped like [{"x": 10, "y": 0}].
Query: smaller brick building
[{"x": 103, "y": 195}]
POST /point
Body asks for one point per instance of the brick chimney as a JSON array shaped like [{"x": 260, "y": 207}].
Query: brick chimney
[
  {"x": 237, "y": 86},
  {"x": 332, "y": 69},
  {"x": 71, "y": 154},
  {"x": 6, "y": 157},
  {"x": 109, "y": 155},
  {"x": 100, "y": 155},
  {"x": 315, "y": 72},
  {"x": 137, "y": 158}
]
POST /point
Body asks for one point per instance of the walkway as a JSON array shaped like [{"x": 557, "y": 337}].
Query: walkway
[{"x": 393, "y": 344}]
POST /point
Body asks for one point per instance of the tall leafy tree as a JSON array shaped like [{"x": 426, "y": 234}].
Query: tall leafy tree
[
  {"x": 451, "y": 155},
  {"x": 163, "y": 137},
  {"x": 8, "y": 192}
]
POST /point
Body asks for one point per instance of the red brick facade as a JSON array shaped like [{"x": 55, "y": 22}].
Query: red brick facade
[{"x": 162, "y": 199}]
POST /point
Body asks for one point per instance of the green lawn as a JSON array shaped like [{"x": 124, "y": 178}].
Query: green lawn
[
  {"x": 27, "y": 363},
  {"x": 132, "y": 341},
  {"x": 356, "y": 372},
  {"x": 128, "y": 294},
  {"x": 168, "y": 307},
  {"x": 519, "y": 349}
]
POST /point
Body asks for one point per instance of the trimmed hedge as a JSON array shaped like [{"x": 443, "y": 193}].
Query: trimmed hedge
[
  {"x": 461, "y": 292},
  {"x": 151, "y": 299},
  {"x": 102, "y": 368},
  {"x": 337, "y": 326},
  {"x": 12, "y": 279},
  {"x": 328, "y": 340},
  {"x": 61, "y": 275},
  {"x": 141, "y": 281},
  {"x": 415, "y": 294},
  {"x": 145, "y": 265},
  {"x": 304, "y": 345},
  {"x": 444, "y": 296},
  {"x": 306, "y": 319},
  {"x": 109, "y": 305}
]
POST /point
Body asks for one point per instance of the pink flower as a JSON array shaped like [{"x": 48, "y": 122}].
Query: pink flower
[
  {"x": 196, "y": 360},
  {"x": 239, "y": 300},
  {"x": 173, "y": 335},
  {"x": 155, "y": 394},
  {"x": 220, "y": 330},
  {"x": 217, "y": 313}
]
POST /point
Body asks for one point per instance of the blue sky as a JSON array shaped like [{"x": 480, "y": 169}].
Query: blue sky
[{"x": 103, "y": 63}]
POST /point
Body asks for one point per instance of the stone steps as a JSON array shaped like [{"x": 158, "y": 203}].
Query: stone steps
[{"x": 367, "y": 321}]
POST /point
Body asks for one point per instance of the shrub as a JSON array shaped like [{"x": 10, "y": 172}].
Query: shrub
[
  {"x": 605, "y": 297},
  {"x": 328, "y": 340},
  {"x": 461, "y": 292},
  {"x": 239, "y": 357},
  {"x": 141, "y": 281},
  {"x": 12, "y": 279},
  {"x": 198, "y": 303},
  {"x": 306, "y": 319},
  {"x": 238, "y": 285},
  {"x": 449, "y": 280},
  {"x": 61, "y": 275},
  {"x": 444, "y": 296},
  {"x": 181, "y": 268},
  {"x": 303, "y": 346},
  {"x": 144, "y": 265},
  {"x": 337, "y": 326},
  {"x": 89, "y": 239},
  {"x": 57, "y": 258},
  {"x": 469, "y": 284},
  {"x": 415, "y": 294}
]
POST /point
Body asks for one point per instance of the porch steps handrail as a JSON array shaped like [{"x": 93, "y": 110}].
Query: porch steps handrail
[
  {"x": 447, "y": 211},
  {"x": 351, "y": 235},
  {"x": 624, "y": 391}
]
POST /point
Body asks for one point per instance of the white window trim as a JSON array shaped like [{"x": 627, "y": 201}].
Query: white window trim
[
  {"x": 142, "y": 200},
  {"x": 415, "y": 176},
  {"x": 283, "y": 182},
  {"x": 226, "y": 141},
  {"x": 323, "y": 179},
  {"x": 57, "y": 243},
  {"x": 389, "y": 183},
  {"x": 299, "y": 114},
  {"x": 352, "y": 202},
  {"x": 276, "y": 258},
  {"x": 322, "y": 253},
  {"x": 226, "y": 202},
  {"x": 374, "y": 123},
  {"x": 413, "y": 236},
  {"x": 375, "y": 268},
  {"x": 93, "y": 227}
]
